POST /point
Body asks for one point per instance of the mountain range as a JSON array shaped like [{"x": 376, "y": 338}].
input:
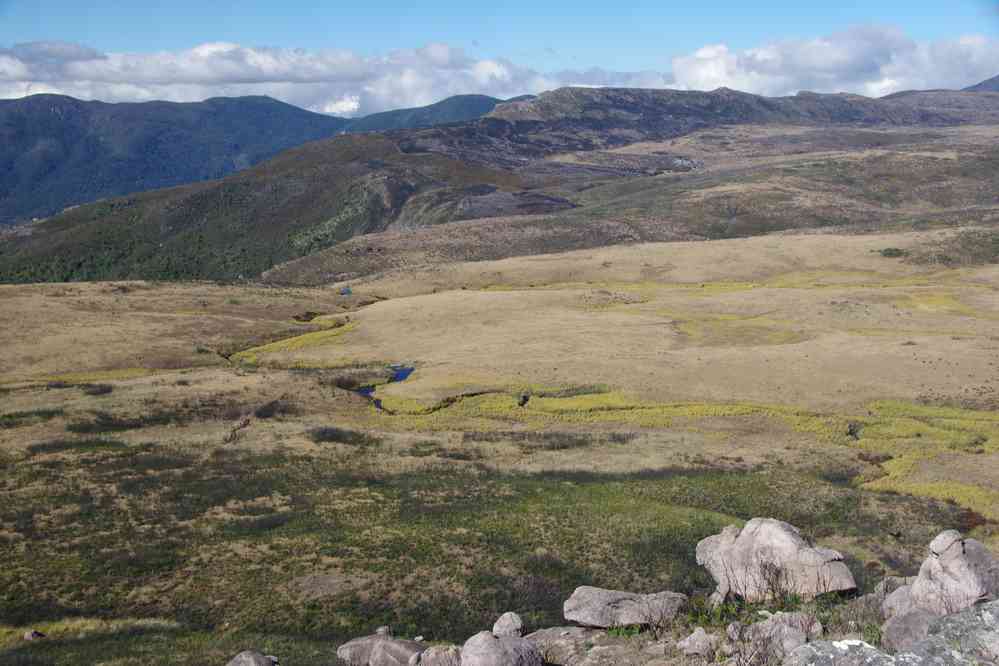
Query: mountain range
[
  {"x": 550, "y": 155},
  {"x": 58, "y": 151}
]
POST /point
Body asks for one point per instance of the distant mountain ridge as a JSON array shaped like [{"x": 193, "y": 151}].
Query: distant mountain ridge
[
  {"x": 457, "y": 109},
  {"x": 314, "y": 197},
  {"x": 989, "y": 85},
  {"x": 57, "y": 151}
]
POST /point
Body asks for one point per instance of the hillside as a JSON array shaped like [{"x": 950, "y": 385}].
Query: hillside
[
  {"x": 459, "y": 108},
  {"x": 989, "y": 85},
  {"x": 58, "y": 151},
  {"x": 564, "y": 152}
]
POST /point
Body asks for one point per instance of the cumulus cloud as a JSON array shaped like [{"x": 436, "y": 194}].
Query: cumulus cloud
[{"x": 869, "y": 60}]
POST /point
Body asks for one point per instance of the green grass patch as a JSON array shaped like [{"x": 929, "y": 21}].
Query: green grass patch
[
  {"x": 74, "y": 446},
  {"x": 19, "y": 419}
]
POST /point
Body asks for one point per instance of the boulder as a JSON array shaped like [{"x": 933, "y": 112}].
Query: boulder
[
  {"x": 597, "y": 607},
  {"x": 565, "y": 645},
  {"x": 781, "y": 633},
  {"x": 970, "y": 637},
  {"x": 485, "y": 649},
  {"x": 698, "y": 644},
  {"x": 974, "y": 632},
  {"x": 903, "y": 631},
  {"x": 844, "y": 653},
  {"x": 438, "y": 655},
  {"x": 956, "y": 574},
  {"x": 379, "y": 649},
  {"x": 251, "y": 658},
  {"x": 395, "y": 652},
  {"x": 509, "y": 624},
  {"x": 767, "y": 558}
]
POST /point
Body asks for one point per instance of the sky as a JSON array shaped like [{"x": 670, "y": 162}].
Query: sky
[{"x": 360, "y": 57}]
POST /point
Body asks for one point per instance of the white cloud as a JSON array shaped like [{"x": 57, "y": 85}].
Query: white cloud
[{"x": 870, "y": 60}]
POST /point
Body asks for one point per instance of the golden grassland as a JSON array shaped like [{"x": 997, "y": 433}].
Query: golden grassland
[{"x": 227, "y": 486}]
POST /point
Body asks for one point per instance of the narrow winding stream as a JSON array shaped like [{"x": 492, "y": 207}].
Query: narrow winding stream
[{"x": 400, "y": 373}]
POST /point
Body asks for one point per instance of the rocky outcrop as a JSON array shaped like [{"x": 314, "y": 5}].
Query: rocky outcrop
[
  {"x": 973, "y": 632},
  {"x": 845, "y": 653},
  {"x": 698, "y": 644},
  {"x": 597, "y": 607},
  {"x": 251, "y": 658},
  {"x": 565, "y": 645},
  {"x": 509, "y": 624},
  {"x": 485, "y": 649},
  {"x": 782, "y": 633},
  {"x": 962, "y": 639},
  {"x": 769, "y": 558},
  {"x": 379, "y": 649},
  {"x": 902, "y": 632},
  {"x": 956, "y": 574}
]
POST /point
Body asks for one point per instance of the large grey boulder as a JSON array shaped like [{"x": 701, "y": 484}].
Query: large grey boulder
[
  {"x": 767, "y": 558},
  {"x": 438, "y": 655},
  {"x": 903, "y": 631},
  {"x": 698, "y": 644},
  {"x": 485, "y": 649},
  {"x": 597, "y": 607},
  {"x": 956, "y": 574},
  {"x": 509, "y": 624},
  {"x": 251, "y": 658},
  {"x": 379, "y": 649}
]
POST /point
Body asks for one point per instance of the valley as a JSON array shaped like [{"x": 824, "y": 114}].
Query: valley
[{"x": 423, "y": 377}]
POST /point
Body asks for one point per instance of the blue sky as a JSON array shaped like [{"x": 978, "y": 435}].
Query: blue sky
[{"x": 543, "y": 34}]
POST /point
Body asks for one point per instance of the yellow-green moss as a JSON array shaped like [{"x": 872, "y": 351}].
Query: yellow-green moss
[
  {"x": 307, "y": 341},
  {"x": 938, "y": 302},
  {"x": 982, "y": 500}
]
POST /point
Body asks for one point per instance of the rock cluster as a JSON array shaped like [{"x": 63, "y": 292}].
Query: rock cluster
[
  {"x": 768, "y": 558},
  {"x": 956, "y": 574},
  {"x": 947, "y": 615},
  {"x": 966, "y": 638}
]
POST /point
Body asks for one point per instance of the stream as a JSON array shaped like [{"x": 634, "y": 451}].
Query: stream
[{"x": 400, "y": 373}]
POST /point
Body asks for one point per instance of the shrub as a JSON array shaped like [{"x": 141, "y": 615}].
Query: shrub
[{"x": 342, "y": 436}]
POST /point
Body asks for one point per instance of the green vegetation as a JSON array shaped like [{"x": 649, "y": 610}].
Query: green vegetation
[
  {"x": 330, "y": 434},
  {"x": 18, "y": 419},
  {"x": 187, "y": 542},
  {"x": 969, "y": 247}
]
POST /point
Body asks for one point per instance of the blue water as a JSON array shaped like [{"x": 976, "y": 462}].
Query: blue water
[{"x": 400, "y": 373}]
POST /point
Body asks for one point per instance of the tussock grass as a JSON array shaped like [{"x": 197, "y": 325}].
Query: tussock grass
[
  {"x": 331, "y": 434},
  {"x": 201, "y": 540},
  {"x": 74, "y": 446},
  {"x": 19, "y": 419}
]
